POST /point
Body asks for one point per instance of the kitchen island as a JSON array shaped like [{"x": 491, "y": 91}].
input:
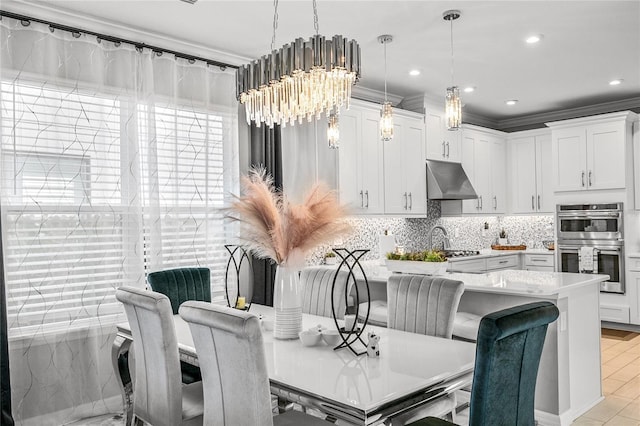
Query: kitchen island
[{"x": 569, "y": 378}]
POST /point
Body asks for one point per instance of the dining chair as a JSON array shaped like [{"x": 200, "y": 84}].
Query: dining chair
[
  {"x": 508, "y": 354},
  {"x": 234, "y": 370},
  {"x": 423, "y": 304},
  {"x": 159, "y": 398},
  {"x": 316, "y": 283},
  {"x": 180, "y": 285}
]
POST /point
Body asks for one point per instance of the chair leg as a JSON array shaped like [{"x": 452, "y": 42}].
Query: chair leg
[{"x": 136, "y": 421}]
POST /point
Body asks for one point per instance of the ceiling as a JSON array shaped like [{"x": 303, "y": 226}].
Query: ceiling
[{"x": 585, "y": 44}]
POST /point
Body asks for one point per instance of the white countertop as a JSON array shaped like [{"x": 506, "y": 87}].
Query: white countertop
[
  {"x": 526, "y": 282},
  {"x": 510, "y": 281},
  {"x": 485, "y": 253}
]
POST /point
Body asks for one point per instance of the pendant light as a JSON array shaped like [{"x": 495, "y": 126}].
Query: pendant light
[
  {"x": 453, "y": 104},
  {"x": 386, "y": 113},
  {"x": 301, "y": 80},
  {"x": 333, "y": 129}
]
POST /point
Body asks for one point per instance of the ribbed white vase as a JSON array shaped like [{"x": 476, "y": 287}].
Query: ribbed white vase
[{"x": 287, "y": 303}]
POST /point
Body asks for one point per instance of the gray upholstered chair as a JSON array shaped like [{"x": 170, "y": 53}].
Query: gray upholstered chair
[
  {"x": 508, "y": 354},
  {"x": 158, "y": 395},
  {"x": 230, "y": 342},
  {"x": 316, "y": 283},
  {"x": 423, "y": 304},
  {"x": 180, "y": 285}
]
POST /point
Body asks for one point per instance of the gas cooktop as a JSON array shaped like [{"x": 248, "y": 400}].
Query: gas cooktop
[{"x": 460, "y": 253}]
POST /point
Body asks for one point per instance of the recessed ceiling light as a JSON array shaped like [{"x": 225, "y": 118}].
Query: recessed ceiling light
[
  {"x": 615, "y": 82},
  {"x": 533, "y": 39},
  {"x": 414, "y": 72},
  {"x": 469, "y": 89},
  {"x": 511, "y": 102}
]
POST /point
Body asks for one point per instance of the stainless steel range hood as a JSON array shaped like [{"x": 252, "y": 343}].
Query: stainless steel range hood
[{"x": 448, "y": 181}]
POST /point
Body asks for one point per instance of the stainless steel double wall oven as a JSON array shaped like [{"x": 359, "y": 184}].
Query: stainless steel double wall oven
[{"x": 591, "y": 240}]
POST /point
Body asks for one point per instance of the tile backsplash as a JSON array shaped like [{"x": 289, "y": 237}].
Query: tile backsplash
[{"x": 464, "y": 232}]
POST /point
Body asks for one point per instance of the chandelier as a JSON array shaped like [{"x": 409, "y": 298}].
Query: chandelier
[
  {"x": 301, "y": 80},
  {"x": 386, "y": 112},
  {"x": 453, "y": 104}
]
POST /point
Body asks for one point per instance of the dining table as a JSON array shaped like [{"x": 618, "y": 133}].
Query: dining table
[{"x": 412, "y": 370}]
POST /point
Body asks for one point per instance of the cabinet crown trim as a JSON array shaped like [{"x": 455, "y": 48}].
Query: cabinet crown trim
[{"x": 628, "y": 116}]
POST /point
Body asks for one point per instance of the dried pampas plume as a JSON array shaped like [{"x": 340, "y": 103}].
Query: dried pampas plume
[{"x": 273, "y": 227}]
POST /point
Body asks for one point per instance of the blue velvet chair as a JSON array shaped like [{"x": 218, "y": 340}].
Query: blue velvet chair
[
  {"x": 180, "y": 285},
  {"x": 508, "y": 354}
]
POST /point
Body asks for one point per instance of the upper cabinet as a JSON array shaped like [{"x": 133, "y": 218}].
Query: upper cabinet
[
  {"x": 405, "y": 190},
  {"x": 361, "y": 182},
  {"x": 442, "y": 144},
  {"x": 590, "y": 153},
  {"x": 483, "y": 158},
  {"x": 530, "y": 177}
]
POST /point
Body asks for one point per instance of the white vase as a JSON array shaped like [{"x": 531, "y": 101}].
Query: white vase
[{"x": 287, "y": 303}]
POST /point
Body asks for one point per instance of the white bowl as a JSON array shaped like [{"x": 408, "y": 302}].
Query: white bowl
[
  {"x": 331, "y": 337},
  {"x": 310, "y": 337},
  {"x": 267, "y": 324}
]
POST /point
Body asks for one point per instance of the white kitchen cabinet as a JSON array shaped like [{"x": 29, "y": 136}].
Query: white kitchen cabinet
[
  {"x": 633, "y": 289},
  {"x": 590, "y": 153},
  {"x": 483, "y": 158},
  {"x": 404, "y": 167},
  {"x": 360, "y": 167},
  {"x": 538, "y": 262},
  {"x": 530, "y": 163},
  {"x": 442, "y": 144},
  {"x": 501, "y": 263}
]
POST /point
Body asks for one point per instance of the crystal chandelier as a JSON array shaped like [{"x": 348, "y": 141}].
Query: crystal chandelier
[
  {"x": 386, "y": 112},
  {"x": 453, "y": 104},
  {"x": 333, "y": 130},
  {"x": 300, "y": 80}
]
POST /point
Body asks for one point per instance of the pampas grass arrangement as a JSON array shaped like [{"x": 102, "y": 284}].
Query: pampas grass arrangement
[{"x": 274, "y": 228}]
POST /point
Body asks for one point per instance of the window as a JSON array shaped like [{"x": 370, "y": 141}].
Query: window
[{"x": 97, "y": 190}]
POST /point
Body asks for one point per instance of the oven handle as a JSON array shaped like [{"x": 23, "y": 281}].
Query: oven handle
[
  {"x": 590, "y": 215},
  {"x": 601, "y": 249}
]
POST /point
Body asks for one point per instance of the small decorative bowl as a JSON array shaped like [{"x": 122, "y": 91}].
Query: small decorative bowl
[
  {"x": 331, "y": 337},
  {"x": 310, "y": 337},
  {"x": 549, "y": 244}
]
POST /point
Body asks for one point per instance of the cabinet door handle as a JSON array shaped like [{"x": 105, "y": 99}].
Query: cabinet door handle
[
  {"x": 538, "y": 202},
  {"x": 410, "y": 202},
  {"x": 502, "y": 262},
  {"x": 443, "y": 149},
  {"x": 366, "y": 193},
  {"x": 583, "y": 178},
  {"x": 533, "y": 259},
  {"x": 495, "y": 202},
  {"x": 447, "y": 149},
  {"x": 590, "y": 178},
  {"x": 533, "y": 202},
  {"x": 481, "y": 203},
  {"x": 361, "y": 199},
  {"x": 405, "y": 200}
]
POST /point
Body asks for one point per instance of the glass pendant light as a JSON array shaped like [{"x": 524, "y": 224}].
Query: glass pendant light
[
  {"x": 333, "y": 130},
  {"x": 453, "y": 104},
  {"x": 386, "y": 112}
]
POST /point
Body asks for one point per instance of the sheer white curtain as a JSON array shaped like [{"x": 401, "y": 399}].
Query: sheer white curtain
[{"x": 114, "y": 162}]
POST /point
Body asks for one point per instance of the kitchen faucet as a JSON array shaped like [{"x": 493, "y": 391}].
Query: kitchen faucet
[{"x": 447, "y": 242}]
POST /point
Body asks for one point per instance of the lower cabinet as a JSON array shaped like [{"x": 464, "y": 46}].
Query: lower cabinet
[
  {"x": 538, "y": 262},
  {"x": 633, "y": 291}
]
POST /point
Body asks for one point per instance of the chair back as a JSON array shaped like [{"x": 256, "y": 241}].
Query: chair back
[
  {"x": 423, "y": 304},
  {"x": 234, "y": 371},
  {"x": 182, "y": 284},
  {"x": 157, "y": 393},
  {"x": 508, "y": 354},
  {"x": 316, "y": 283}
]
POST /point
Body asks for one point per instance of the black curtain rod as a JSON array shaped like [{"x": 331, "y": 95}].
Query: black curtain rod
[{"x": 113, "y": 39}]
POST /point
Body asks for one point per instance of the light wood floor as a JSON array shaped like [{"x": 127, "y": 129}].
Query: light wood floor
[{"x": 620, "y": 382}]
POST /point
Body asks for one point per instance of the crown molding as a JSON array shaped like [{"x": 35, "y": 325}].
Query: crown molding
[
  {"x": 372, "y": 95},
  {"x": 44, "y": 11},
  {"x": 540, "y": 119}
]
